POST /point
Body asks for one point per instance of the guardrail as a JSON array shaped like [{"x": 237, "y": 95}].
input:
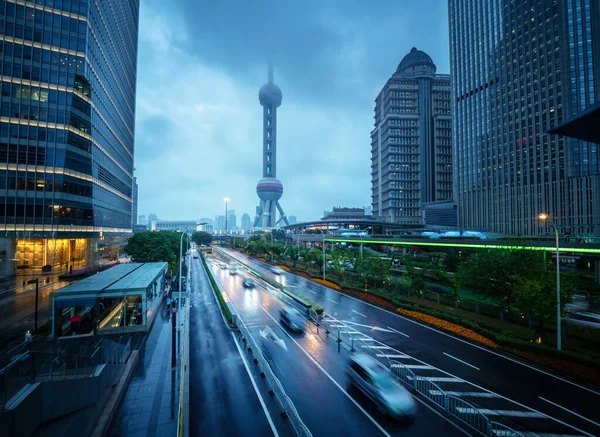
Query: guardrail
[
  {"x": 465, "y": 412},
  {"x": 283, "y": 400}
]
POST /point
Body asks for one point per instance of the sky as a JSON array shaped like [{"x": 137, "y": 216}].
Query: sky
[{"x": 199, "y": 122}]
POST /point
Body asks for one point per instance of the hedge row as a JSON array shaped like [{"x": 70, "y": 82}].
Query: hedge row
[{"x": 217, "y": 292}]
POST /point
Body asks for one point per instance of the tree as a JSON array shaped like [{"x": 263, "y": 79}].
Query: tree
[
  {"x": 278, "y": 234},
  {"x": 451, "y": 261},
  {"x": 536, "y": 296},
  {"x": 315, "y": 256},
  {"x": 202, "y": 238},
  {"x": 494, "y": 274},
  {"x": 152, "y": 246},
  {"x": 338, "y": 260},
  {"x": 373, "y": 267}
]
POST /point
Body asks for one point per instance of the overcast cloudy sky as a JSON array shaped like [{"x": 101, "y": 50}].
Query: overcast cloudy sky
[{"x": 201, "y": 64}]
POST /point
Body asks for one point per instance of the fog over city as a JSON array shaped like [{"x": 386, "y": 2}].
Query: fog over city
[{"x": 198, "y": 120}]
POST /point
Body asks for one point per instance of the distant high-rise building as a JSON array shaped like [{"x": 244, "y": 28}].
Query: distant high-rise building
[
  {"x": 411, "y": 145},
  {"x": 67, "y": 104},
  {"x": 246, "y": 222},
  {"x": 368, "y": 209},
  {"x": 292, "y": 219},
  {"x": 220, "y": 223},
  {"x": 231, "y": 220},
  {"x": 142, "y": 220},
  {"x": 134, "y": 205},
  {"x": 519, "y": 69}
]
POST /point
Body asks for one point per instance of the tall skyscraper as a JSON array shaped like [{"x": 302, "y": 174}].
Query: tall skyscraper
[
  {"x": 519, "y": 69},
  {"x": 67, "y": 131},
  {"x": 411, "y": 145},
  {"x": 269, "y": 188},
  {"x": 246, "y": 222},
  {"x": 293, "y": 220},
  {"x": 134, "y": 205}
]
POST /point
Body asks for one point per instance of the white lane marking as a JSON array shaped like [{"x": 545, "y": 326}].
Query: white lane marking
[
  {"x": 349, "y": 332},
  {"x": 376, "y": 347},
  {"x": 398, "y": 332},
  {"x": 363, "y": 338},
  {"x": 329, "y": 376},
  {"x": 392, "y": 355},
  {"x": 452, "y": 378},
  {"x": 466, "y": 394},
  {"x": 313, "y": 292},
  {"x": 464, "y": 362},
  {"x": 260, "y": 398},
  {"x": 332, "y": 301},
  {"x": 507, "y": 413},
  {"x": 570, "y": 411},
  {"x": 337, "y": 326},
  {"x": 375, "y": 328},
  {"x": 356, "y": 312}
]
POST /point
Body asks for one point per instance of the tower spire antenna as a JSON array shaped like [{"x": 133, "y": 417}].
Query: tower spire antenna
[{"x": 270, "y": 72}]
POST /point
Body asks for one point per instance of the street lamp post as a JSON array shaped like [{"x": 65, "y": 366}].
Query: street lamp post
[
  {"x": 226, "y": 199},
  {"x": 324, "y": 255},
  {"x": 558, "y": 315}
]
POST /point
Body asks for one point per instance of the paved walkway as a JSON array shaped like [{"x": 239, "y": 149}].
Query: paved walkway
[{"x": 150, "y": 405}]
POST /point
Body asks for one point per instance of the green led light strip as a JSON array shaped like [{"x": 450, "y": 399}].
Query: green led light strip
[{"x": 467, "y": 245}]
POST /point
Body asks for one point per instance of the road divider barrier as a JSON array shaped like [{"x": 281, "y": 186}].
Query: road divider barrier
[{"x": 452, "y": 406}]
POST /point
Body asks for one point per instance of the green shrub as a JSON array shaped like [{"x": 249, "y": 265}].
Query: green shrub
[{"x": 217, "y": 292}]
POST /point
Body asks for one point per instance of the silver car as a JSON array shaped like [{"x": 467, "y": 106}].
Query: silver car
[{"x": 378, "y": 383}]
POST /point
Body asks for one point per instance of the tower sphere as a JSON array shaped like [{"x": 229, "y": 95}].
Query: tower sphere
[
  {"x": 269, "y": 189},
  {"x": 270, "y": 95}
]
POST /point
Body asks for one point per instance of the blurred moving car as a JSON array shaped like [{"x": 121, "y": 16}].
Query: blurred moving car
[
  {"x": 233, "y": 271},
  {"x": 223, "y": 265},
  {"x": 590, "y": 319},
  {"x": 277, "y": 270},
  {"x": 378, "y": 383},
  {"x": 579, "y": 302},
  {"x": 248, "y": 283},
  {"x": 292, "y": 318}
]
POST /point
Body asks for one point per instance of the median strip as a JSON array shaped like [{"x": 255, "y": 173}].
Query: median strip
[{"x": 217, "y": 292}]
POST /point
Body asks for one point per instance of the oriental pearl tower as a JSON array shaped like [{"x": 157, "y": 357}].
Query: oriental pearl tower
[{"x": 269, "y": 188}]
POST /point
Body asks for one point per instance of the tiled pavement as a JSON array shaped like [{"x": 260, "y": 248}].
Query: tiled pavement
[{"x": 149, "y": 407}]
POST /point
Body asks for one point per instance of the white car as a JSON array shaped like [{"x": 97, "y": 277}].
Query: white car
[
  {"x": 233, "y": 271},
  {"x": 378, "y": 383},
  {"x": 277, "y": 270}
]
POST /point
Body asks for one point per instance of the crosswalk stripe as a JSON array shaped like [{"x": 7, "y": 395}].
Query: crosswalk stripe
[
  {"x": 507, "y": 413},
  {"x": 467, "y": 394},
  {"x": 417, "y": 366},
  {"x": 377, "y": 347},
  {"x": 392, "y": 356},
  {"x": 442, "y": 379}
]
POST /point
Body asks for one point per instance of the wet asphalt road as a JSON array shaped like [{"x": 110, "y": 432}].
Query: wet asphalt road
[
  {"x": 222, "y": 399},
  {"x": 312, "y": 372},
  {"x": 514, "y": 393}
]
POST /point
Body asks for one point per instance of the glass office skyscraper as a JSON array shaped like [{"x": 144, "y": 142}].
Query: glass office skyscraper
[
  {"x": 411, "y": 144},
  {"x": 68, "y": 77},
  {"x": 520, "y": 68}
]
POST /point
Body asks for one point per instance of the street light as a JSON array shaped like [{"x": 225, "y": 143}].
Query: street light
[
  {"x": 544, "y": 217},
  {"x": 226, "y": 199}
]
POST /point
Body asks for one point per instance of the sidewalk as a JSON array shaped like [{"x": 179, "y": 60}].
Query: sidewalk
[{"x": 150, "y": 405}]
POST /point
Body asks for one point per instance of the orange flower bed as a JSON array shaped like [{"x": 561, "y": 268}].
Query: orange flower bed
[
  {"x": 286, "y": 268},
  {"x": 448, "y": 326},
  {"x": 328, "y": 284},
  {"x": 262, "y": 259}
]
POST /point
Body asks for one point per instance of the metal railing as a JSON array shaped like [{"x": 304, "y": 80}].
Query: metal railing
[{"x": 284, "y": 401}]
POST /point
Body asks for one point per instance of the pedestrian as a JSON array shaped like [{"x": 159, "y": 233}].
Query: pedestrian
[{"x": 28, "y": 336}]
